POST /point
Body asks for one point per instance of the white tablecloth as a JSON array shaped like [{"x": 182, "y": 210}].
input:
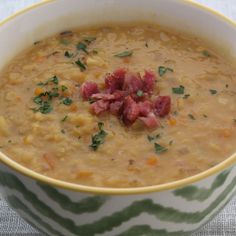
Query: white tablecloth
[{"x": 223, "y": 225}]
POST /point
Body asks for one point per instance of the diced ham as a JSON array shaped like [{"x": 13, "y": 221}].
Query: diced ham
[
  {"x": 115, "y": 81},
  {"x": 149, "y": 82},
  {"x": 162, "y": 106},
  {"x": 130, "y": 112},
  {"x": 132, "y": 83},
  {"x": 116, "y": 107},
  {"x": 103, "y": 96},
  {"x": 150, "y": 121},
  {"x": 128, "y": 96},
  {"x": 88, "y": 89},
  {"x": 145, "y": 107},
  {"x": 100, "y": 106}
]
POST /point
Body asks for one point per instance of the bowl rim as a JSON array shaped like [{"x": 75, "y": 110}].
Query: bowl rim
[{"x": 230, "y": 161}]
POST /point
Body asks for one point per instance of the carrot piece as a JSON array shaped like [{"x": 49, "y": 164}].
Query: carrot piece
[
  {"x": 152, "y": 161},
  {"x": 226, "y": 133},
  {"x": 172, "y": 122},
  {"x": 84, "y": 174},
  {"x": 38, "y": 91},
  {"x": 73, "y": 108},
  {"x": 126, "y": 60}
]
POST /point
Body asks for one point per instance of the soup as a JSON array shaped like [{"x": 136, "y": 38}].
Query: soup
[{"x": 118, "y": 106}]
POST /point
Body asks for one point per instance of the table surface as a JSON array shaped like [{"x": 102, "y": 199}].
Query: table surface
[{"x": 223, "y": 225}]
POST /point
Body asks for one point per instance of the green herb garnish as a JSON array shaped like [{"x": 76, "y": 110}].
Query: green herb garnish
[
  {"x": 68, "y": 54},
  {"x": 171, "y": 142},
  {"x": 162, "y": 70},
  {"x": 151, "y": 138},
  {"x": 178, "y": 90},
  {"x": 64, "y": 118},
  {"x": 99, "y": 137},
  {"x": 63, "y": 88},
  {"x": 54, "y": 80},
  {"x": 63, "y": 131},
  {"x": 206, "y": 53},
  {"x": 82, "y": 46},
  {"x": 81, "y": 65},
  {"x": 91, "y": 100},
  {"x": 139, "y": 93},
  {"x": 124, "y": 54},
  {"x": 45, "y": 108},
  {"x": 65, "y": 41},
  {"x": 186, "y": 96},
  {"x": 89, "y": 39},
  {"x": 191, "y": 117},
  {"x": 159, "y": 149},
  {"x": 213, "y": 91},
  {"x": 67, "y": 101}
]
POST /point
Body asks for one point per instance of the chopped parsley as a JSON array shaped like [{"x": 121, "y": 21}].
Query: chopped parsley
[
  {"x": 53, "y": 80},
  {"x": 45, "y": 108},
  {"x": 124, "y": 54},
  {"x": 64, "y": 118},
  {"x": 171, "y": 142},
  {"x": 82, "y": 46},
  {"x": 151, "y": 138},
  {"x": 63, "y": 88},
  {"x": 186, "y": 96},
  {"x": 81, "y": 65},
  {"x": 178, "y": 90},
  {"x": 98, "y": 138},
  {"x": 67, "y": 101},
  {"x": 159, "y": 149},
  {"x": 162, "y": 70},
  {"x": 95, "y": 52},
  {"x": 213, "y": 91},
  {"x": 44, "y": 100},
  {"x": 139, "y": 93},
  {"x": 89, "y": 39},
  {"x": 191, "y": 117},
  {"x": 91, "y": 100},
  {"x": 65, "y": 41},
  {"x": 68, "y": 54},
  {"x": 63, "y": 131},
  {"x": 206, "y": 53}
]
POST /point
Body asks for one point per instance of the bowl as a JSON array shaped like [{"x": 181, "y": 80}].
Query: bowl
[{"x": 58, "y": 208}]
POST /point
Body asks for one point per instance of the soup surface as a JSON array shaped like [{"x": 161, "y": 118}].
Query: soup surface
[{"x": 119, "y": 106}]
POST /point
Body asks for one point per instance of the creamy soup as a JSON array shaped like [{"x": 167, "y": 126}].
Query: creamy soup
[{"x": 119, "y": 106}]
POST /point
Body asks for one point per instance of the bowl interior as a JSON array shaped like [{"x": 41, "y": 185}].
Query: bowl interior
[{"x": 50, "y": 17}]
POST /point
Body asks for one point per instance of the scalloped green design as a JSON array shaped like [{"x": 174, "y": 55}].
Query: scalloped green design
[
  {"x": 108, "y": 223},
  {"x": 191, "y": 192}
]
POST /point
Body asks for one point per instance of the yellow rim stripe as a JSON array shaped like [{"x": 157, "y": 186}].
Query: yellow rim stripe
[{"x": 121, "y": 191}]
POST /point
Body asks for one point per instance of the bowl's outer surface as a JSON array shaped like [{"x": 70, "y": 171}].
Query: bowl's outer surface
[
  {"x": 176, "y": 212},
  {"x": 57, "y": 211}
]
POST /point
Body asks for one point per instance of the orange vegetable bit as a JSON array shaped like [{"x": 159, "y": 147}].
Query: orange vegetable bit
[
  {"x": 126, "y": 60},
  {"x": 226, "y": 133},
  {"x": 38, "y": 91},
  {"x": 152, "y": 161},
  {"x": 172, "y": 121},
  {"x": 84, "y": 174},
  {"x": 73, "y": 107}
]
